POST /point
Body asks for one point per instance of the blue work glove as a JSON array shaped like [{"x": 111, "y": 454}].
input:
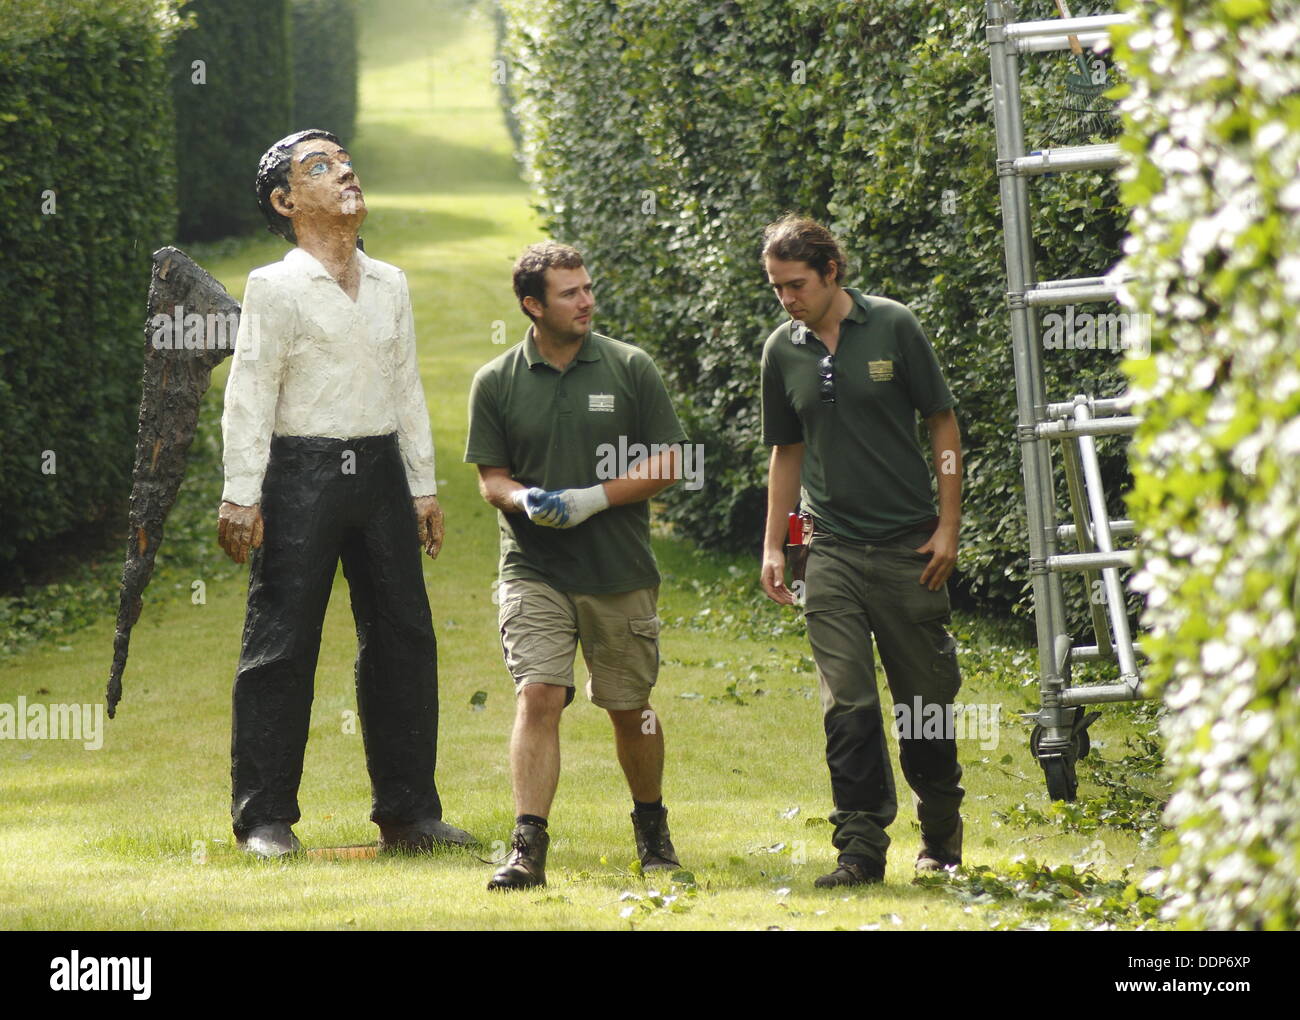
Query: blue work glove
[{"x": 562, "y": 508}]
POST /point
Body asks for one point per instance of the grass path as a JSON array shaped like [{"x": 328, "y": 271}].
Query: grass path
[{"x": 136, "y": 834}]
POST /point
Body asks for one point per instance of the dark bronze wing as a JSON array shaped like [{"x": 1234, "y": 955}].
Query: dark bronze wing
[{"x": 177, "y": 370}]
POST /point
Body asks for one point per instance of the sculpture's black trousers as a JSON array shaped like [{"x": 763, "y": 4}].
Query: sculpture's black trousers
[{"x": 322, "y": 500}]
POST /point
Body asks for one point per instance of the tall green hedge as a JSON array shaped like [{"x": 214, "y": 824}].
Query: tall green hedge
[
  {"x": 325, "y": 66},
  {"x": 87, "y": 192},
  {"x": 1214, "y": 132},
  {"x": 662, "y": 135},
  {"x": 233, "y": 87}
]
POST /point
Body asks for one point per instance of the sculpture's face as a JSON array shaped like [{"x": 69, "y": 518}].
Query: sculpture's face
[{"x": 322, "y": 185}]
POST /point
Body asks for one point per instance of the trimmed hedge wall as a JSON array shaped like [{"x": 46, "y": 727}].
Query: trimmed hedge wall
[
  {"x": 225, "y": 123},
  {"x": 662, "y": 135},
  {"x": 1214, "y": 131},
  {"x": 324, "y": 66},
  {"x": 87, "y": 192}
]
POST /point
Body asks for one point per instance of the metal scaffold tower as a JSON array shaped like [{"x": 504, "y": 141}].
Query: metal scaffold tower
[{"x": 1060, "y": 735}]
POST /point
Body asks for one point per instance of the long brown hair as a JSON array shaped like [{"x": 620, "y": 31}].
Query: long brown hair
[{"x": 795, "y": 238}]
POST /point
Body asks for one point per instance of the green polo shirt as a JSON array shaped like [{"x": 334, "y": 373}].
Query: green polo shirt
[
  {"x": 572, "y": 429},
  {"x": 864, "y": 476}
]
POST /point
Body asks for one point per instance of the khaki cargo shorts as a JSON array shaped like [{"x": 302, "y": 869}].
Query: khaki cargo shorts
[{"x": 542, "y": 627}]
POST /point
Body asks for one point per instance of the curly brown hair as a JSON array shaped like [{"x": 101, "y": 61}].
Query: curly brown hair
[{"x": 530, "y": 269}]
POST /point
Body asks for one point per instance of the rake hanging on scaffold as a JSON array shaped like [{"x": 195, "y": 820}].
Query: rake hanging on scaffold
[{"x": 1085, "y": 112}]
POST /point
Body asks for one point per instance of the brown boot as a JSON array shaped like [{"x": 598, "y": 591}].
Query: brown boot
[
  {"x": 852, "y": 870},
  {"x": 940, "y": 856}
]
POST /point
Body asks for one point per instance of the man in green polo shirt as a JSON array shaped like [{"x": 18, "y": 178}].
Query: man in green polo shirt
[
  {"x": 573, "y": 433},
  {"x": 842, "y": 385}
]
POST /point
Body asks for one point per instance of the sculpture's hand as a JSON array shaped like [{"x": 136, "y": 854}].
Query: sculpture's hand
[
  {"x": 239, "y": 529},
  {"x": 428, "y": 516}
]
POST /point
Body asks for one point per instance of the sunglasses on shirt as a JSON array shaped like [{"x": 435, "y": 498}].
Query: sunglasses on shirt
[{"x": 826, "y": 383}]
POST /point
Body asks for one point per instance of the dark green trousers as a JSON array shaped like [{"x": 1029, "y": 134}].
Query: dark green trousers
[{"x": 855, "y": 590}]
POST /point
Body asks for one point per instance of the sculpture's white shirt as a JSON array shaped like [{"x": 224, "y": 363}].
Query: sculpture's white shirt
[{"x": 320, "y": 364}]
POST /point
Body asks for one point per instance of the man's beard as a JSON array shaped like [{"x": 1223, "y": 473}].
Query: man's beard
[{"x": 570, "y": 333}]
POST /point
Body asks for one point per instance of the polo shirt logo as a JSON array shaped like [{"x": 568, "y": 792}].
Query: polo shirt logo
[
  {"x": 600, "y": 402},
  {"x": 880, "y": 371}
]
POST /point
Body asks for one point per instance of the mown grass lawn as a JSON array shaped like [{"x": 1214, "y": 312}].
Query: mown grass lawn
[{"x": 136, "y": 834}]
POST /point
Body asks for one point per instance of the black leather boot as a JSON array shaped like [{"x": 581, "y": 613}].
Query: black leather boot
[
  {"x": 526, "y": 865},
  {"x": 654, "y": 844}
]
